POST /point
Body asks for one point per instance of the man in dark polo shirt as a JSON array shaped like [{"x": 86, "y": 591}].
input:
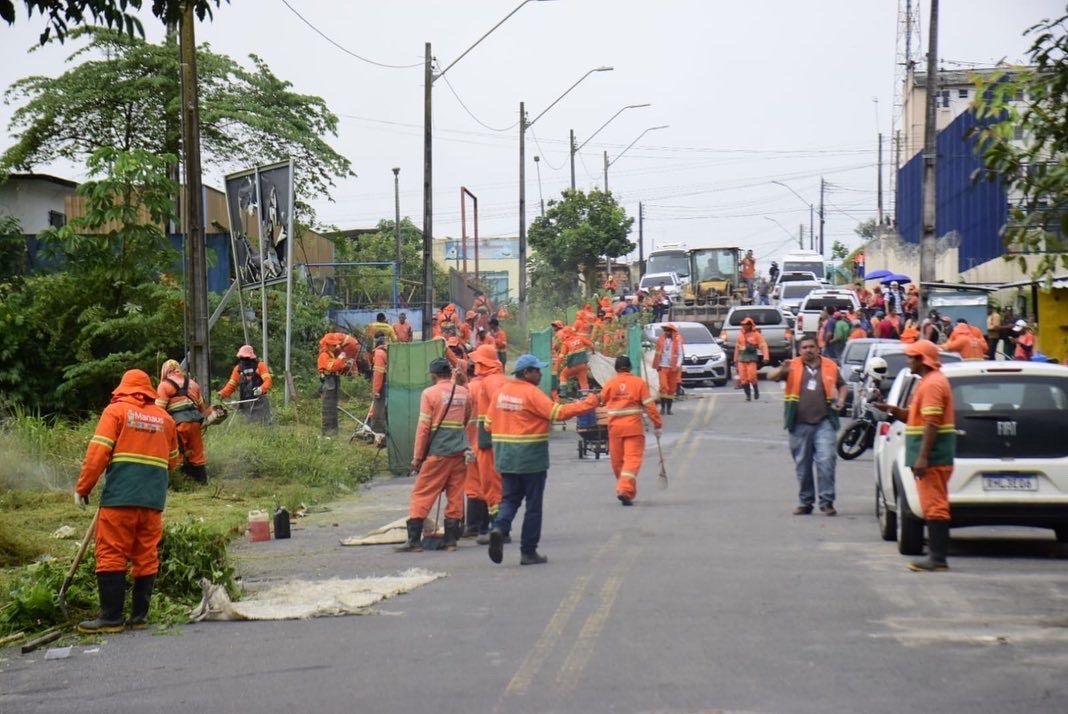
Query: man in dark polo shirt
[{"x": 814, "y": 394}]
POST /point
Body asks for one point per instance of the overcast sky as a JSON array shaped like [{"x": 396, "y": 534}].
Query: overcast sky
[{"x": 753, "y": 92}]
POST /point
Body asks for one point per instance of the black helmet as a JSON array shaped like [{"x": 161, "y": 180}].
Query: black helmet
[{"x": 623, "y": 363}]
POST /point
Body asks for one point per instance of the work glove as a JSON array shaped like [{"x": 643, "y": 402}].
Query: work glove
[
  {"x": 656, "y": 433},
  {"x": 258, "y": 391},
  {"x": 81, "y": 501},
  {"x": 377, "y": 395},
  {"x": 469, "y": 456}
]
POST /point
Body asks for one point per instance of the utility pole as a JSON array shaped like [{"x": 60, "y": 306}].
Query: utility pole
[
  {"x": 641, "y": 235},
  {"x": 801, "y": 236},
  {"x": 522, "y": 223},
  {"x": 929, "y": 241},
  {"x": 428, "y": 198},
  {"x": 879, "y": 190},
  {"x": 823, "y": 185},
  {"x": 396, "y": 220},
  {"x": 572, "y": 152},
  {"x": 196, "y": 308}
]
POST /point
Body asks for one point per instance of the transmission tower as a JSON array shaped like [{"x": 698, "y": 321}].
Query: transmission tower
[{"x": 907, "y": 52}]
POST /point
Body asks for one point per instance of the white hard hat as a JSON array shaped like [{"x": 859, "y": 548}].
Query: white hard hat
[{"x": 877, "y": 367}]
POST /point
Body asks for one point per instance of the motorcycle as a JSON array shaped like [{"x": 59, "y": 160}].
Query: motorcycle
[{"x": 859, "y": 436}]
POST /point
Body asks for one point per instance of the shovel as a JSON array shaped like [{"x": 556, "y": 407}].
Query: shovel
[
  {"x": 74, "y": 566},
  {"x": 661, "y": 479}
]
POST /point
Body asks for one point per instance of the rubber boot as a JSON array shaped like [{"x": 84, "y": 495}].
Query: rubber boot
[
  {"x": 663, "y": 405},
  {"x": 199, "y": 473},
  {"x": 142, "y": 594},
  {"x": 668, "y": 403},
  {"x": 415, "y": 537},
  {"x": 756, "y": 391},
  {"x": 112, "y": 587},
  {"x": 452, "y": 533},
  {"x": 476, "y": 514},
  {"x": 937, "y": 548},
  {"x": 748, "y": 393}
]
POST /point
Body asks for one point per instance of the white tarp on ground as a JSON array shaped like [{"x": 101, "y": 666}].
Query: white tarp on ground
[
  {"x": 303, "y": 599},
  {"x": 394, "y": 532},
  {"x": 604, "y": 368}
]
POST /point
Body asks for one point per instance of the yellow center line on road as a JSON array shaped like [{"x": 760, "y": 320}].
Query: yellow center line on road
[
  {"x": 582, "y": 651},
  {"x": 534, "y": 661}
]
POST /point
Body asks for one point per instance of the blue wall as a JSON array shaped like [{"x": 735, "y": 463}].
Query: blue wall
[
  {"x": 976, "y": 210},
  {"x": 220, "y": 261}
]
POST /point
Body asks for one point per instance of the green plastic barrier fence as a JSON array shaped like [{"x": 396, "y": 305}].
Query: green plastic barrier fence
[
  {"x": 406, "y": 377},
  {"x": 541, "y": 346}
]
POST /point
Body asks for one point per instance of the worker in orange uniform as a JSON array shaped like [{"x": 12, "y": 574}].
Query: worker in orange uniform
[
  {"x": 134, "y": 446},
  {"x": 625, "y": 396},
  {"x": 930, "y": 444},
  {"x": 500, "y": 339},
  {"x": 403, "y": 328},
  {"x": 251, "y": 378},
  {"x": 491, "y": 373},
  {"x": 747, "y": 272},
  {"x": 964, "y": 341},
  {"x": 667, "y": 359},
  {"x": 556, "y": 358},
  {"x": 468, "y": 331},
  {"x": 611, "y": 284},
  {"x": 379, "y": 366},
  {"x": 481, "y": 305},
  {"x": 750, "y": 348},
  {"x": 439, "y": 455},
  {"x": 180, "y": 396},
  {"x": 474, "y": 504},
  {"x": 332, "y": 363},
  {"x": 576, "y": 357},
  {"x": 447, "y": 314},
  {"x": 518, "y": 421}
]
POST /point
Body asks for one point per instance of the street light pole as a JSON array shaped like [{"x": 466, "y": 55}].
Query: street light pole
[
  {"x": 428, "y": 180},
  {"x": 608, "y": 163},
  {"x": 541, "y": 198},
  {"x": 523, "y": 126},
  {"x": 576, "y": 149}
]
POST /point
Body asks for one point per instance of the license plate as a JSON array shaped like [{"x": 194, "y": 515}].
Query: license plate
[
  {"x": 695, "y": 368},
  {"x": 1009, "y": 482}
]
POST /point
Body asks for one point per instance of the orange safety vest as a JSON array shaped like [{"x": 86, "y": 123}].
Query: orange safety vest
[{"x": 625, "y": 396}]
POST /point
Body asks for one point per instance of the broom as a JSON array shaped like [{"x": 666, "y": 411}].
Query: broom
[{"x": 661, "y": 479}]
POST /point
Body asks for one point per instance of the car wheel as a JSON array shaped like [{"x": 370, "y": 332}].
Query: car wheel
[
  {"x": 887, "y": 518},
  {"x": 1061, "y": 533},
  {"x": 909, "y": 528}
]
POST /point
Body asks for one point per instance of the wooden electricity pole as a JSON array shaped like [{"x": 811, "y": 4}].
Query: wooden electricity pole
[
  {"x": 196, "y": 263},
  {"x": 929, "y": 241}
]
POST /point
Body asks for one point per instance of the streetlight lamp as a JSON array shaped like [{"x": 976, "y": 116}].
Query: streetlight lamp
[
  {"x": 428, "y": 175},
  {"x": 811, "y": 208},
  {"x": 576, "y": 149},
  {"x": 608, "y": 163},
  {"x": 523, "y": 126},
  {"x": 541, "y": 198}
]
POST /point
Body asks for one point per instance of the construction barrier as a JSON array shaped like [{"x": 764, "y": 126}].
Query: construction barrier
[
  {"x": 406, "y": 379},
  {"x": 541, "y": 346}
]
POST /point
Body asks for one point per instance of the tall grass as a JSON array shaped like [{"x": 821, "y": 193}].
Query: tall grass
[{"x": 40, "y": 452}]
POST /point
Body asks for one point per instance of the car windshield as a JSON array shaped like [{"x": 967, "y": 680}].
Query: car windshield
[
  {"x": 1009, "y": 415},
  {"x": 810, "y": 266},
  {"x": 678, "y": 263},
  {"x": 770, "y": 316},
  {"x": 653, "y": 281},
  {"x": 815, "y": 304},
  {"x": 796, "y": 290},
  {"x": 695, "y": 335}
]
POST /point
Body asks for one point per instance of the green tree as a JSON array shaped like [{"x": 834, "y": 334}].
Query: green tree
[
  {"x": 130, "y": 100},
  {"x": 1033, "y": 102},
  {"x": 575, "y": 234},
  {"x": 61, "y": 14},
  {"x": 839, "y": 250},
  {"x": 367, "y": 285},
  {"x": 866, "y": 230}
]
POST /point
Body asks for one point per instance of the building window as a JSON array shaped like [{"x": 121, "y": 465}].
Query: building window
[
  {"x": 1018, "y": 133},
  {"x": 962, "y": 93},
  {"x": 942, "y": 99},
  {"x": 57, "y": 219}
]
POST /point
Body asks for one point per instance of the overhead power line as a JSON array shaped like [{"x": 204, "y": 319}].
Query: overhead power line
[{"x": 345, "y": 49}]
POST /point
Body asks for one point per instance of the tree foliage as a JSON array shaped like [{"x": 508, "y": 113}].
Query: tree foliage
[
  {"x": 125, "y": 93},
  {"x": 575, "y": 234},
  {"x": 373, "y": 286},
  {"x": 867, "y": 230},
  {"x": 839, "y": 250},
  {"x": 1032, "y": 101},
  {"x": 61, "y": 14}
]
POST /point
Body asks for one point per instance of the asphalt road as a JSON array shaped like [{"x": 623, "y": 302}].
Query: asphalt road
[{"x": 705, "y": 597}]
